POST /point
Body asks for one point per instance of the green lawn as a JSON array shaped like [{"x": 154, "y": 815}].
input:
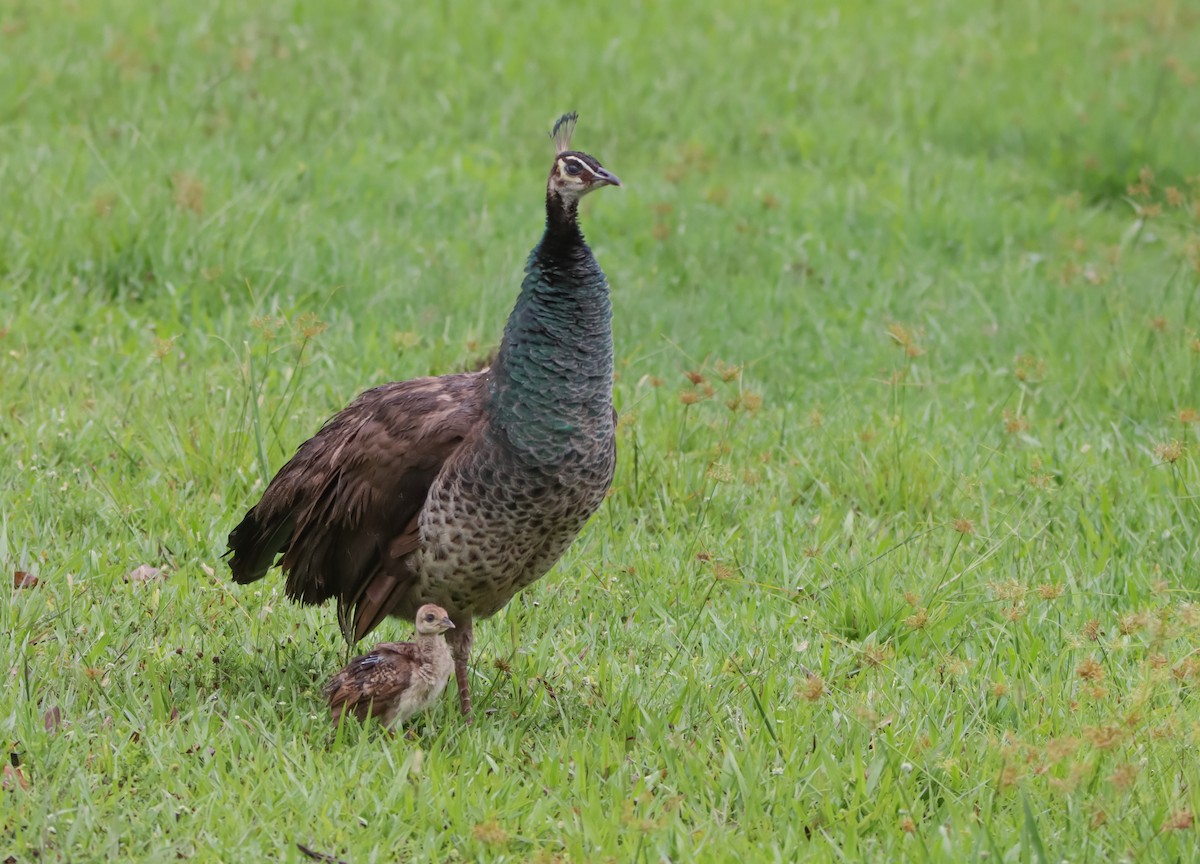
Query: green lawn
[{"x": 901, "y": 561}]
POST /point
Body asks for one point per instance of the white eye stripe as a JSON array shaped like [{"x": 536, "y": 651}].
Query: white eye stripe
[{"x": 579, "y": 163}]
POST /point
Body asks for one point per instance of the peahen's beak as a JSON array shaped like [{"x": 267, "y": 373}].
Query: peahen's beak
[{"x": 604, "y": 177}]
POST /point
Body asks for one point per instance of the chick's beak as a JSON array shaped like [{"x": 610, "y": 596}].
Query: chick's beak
[
  {"x": 604, "y": 177},
  {"x": 446, "y": 622}
]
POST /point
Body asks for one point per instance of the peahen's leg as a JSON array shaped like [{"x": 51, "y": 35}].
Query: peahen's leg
[{"x": 460, "y": 639}]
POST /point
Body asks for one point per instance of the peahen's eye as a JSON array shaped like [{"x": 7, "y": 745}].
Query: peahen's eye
[{"x": 573, "y": 167}]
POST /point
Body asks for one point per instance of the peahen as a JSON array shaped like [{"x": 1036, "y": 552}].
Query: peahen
[{"x": 459, "y": 490}]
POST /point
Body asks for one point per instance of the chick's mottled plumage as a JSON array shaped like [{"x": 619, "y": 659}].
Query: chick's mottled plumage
[
  {"x": 463, "y": 489},
  {"x": 397, "y": 679}
]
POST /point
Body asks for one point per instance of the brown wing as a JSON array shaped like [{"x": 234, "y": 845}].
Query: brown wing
[
  {"x": 368, "y": 684},
  {"x": 344, "y": 509}
]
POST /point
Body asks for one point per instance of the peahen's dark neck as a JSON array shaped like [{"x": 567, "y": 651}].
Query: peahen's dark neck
[{"x": 551, "y": 385}]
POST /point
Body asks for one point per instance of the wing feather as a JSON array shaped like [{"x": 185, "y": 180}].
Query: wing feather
[
  {"x": 340, "y": 510},
  {"x": 368, "y": 684}
]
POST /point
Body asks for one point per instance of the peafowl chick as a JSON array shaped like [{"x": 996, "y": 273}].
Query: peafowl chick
[
  {"x": 459, "y": 490},
  {"x": 397, "y": 679}
]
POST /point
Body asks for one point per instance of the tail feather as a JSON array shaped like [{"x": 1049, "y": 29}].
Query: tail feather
[{"x": 254, "y": 547}]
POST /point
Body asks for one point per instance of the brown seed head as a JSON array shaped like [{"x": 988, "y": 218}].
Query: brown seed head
[
  {"x": 1029, "y": 368},
  {"x": 1131, "y": 623},
  {"x": 726, "y": 371},
  {"x": 918, "y": 619},
  {"x": 1169, "y": 452},
  {"x": 1010, "y": 775},
  {"x": 812, "y": 689},
  {"x": 1048, "y": 591},
  {"x": 1104, "y": 737},
  {"x": 1058, "y": 749},
  {"x": 268, "y": 326},
  {"x": 1015, "y": 612},
  {"x": 1010, "y": 589},
  {"x": 309, "y": 326},
  {"x": 875, "y": 655},
  {"x": 1014, "y": 424}
]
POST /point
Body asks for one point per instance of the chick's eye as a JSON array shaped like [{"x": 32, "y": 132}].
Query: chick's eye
[
  {"x": 573, "y": 168},
  {"x": 428, "y": 617}
]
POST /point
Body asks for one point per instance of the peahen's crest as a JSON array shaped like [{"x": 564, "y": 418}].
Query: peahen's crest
[{"x": 563, "y": 130}]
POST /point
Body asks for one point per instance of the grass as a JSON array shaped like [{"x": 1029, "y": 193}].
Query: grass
[{"x": 901, "y": 560}]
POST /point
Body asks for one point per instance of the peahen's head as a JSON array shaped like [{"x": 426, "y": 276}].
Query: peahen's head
[{"x": 574, "y": 174}]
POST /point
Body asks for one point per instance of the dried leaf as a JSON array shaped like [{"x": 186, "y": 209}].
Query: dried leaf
[
  {"x": 145, "y": 573},
  {"x": 52, "y": 719},
  {"x": 21, "y": 579},
  {"x": 14, "y": 777}
]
